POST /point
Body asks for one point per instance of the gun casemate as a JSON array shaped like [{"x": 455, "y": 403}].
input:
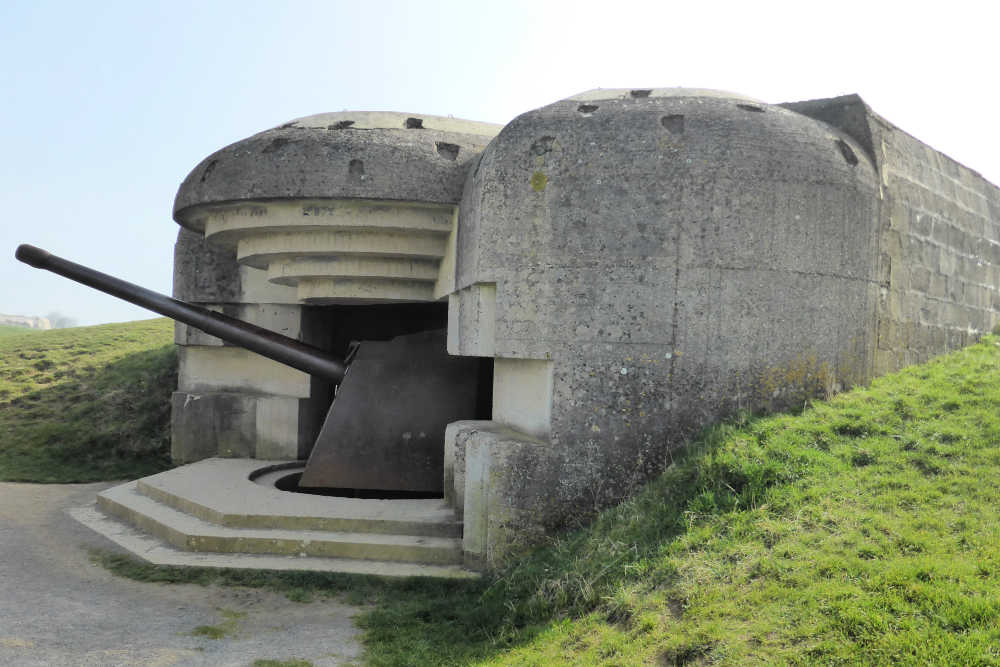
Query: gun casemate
[{"x": 525, "y": 320}]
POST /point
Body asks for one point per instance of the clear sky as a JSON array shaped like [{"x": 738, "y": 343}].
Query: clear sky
[{"x": 106, "y": 106}]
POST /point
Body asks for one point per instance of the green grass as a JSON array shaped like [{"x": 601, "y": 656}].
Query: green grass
[
  {"x": 865, "y": 530},
  {"x": 8, "y": 330},
  {"x": 86, "y": 403},
  {"x": 228, "y": 627}
]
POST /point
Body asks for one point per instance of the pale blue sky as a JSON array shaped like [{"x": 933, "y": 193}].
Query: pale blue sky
[{"x": 107, "y": 106}]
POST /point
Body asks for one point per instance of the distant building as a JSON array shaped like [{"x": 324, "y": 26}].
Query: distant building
[{"x": 25, "y": 321}]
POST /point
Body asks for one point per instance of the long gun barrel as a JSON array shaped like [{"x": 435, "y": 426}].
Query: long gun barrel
[{"x": 283, "y": 349}]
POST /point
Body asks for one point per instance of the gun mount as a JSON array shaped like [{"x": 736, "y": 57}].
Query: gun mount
[{"x": 385, "y": 427}]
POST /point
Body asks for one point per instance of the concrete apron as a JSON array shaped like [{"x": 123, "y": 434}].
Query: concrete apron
[
  {"x": 58, "y": 608},
  {"x": 227, "y": 513}
]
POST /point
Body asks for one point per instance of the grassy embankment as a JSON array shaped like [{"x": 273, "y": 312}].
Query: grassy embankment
[
  {"x": 8, "y": 330},
  {"x": 865, "y": 530},
  {"x": 86, "y": 403}
]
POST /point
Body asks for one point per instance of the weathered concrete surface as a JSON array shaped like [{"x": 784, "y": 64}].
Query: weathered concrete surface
[
  {"x": 677, "y": 257},
  {"x": 60, "y": 609},
  {"x": 204, "y": 425},
  {"x": 638, "y": 262},
  {"x": 351, "y": 207},
  {"x": 280, "y": 318},
  {"x": 472, "y": 321},
  {"x": 205, "y": 369},
  {"x": 356, "y": 155},
  {"x": 204, "y": 273},
  {"x": 228, "y": 513},
  {"x": 455, "y": 437},
  {"x": 190, "y": 533},
  {"x": 337, "y": 251},
  {"x": 209, "y": 275},
  {"x": 522, "y": 395},
  {"x": 231, "y": 402},
  {"x": 222, "y": 492},
  {"x": 508, "y": 492},
  {"x": 158, "y": 552},
  {"x": 938, "y": 243}
]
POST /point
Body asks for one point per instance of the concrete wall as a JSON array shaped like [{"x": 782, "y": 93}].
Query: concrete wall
[
  {"x": 636, "y": 263},
  {"x": 653, "y": 263},
  {"x": 321, "y": 213},
  {"x": 656, "y": 260},
  {"x": 231, "y": 402},
  {"x": 939, "y": 252},
  {"x": 938, "y": 243}
]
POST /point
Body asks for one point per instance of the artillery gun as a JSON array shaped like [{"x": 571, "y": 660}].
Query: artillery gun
[{"x": 393, "y": 399}]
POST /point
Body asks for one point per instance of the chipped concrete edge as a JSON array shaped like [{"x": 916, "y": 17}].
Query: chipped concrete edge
[{"x": 156, "y": 552}]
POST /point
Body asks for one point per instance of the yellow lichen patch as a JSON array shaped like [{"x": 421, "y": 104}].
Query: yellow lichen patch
[
  {"x": 16, "y": 642},
  {"x": 799, "y": 379},
  {"x": 538, "y": 181}
]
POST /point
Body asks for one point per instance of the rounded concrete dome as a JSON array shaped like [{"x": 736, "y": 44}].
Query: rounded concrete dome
[
  {"x": 350, "y": 207},
  {"x": 350, "y": 154},
  {"x": 721, "y": 178},
  {"x": 675, "y": 255}
]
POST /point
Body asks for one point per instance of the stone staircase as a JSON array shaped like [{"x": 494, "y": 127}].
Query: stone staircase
[{"x": 228, "y": 513}]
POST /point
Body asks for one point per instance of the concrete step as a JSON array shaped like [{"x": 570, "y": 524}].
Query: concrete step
[
  {"x": 239, "y": 493},
  {"x": 188, "y": 532},
  {"x": 158, "y": 552}
]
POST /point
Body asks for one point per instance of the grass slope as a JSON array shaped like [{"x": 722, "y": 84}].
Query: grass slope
[
  {"x": 10, "y": 330},
  {"x": 86, "y": 403},
  {"x": 862, "y": 531}
]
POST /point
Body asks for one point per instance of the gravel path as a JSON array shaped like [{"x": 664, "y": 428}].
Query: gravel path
[{"x": 57, "y": 608}]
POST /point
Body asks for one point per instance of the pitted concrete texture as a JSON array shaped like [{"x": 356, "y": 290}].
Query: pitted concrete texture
[
  {"x": 60, "y": 609},
  {"x": 938, "y": 245},
  {"x": 232, "y": 415},
  {"x": 204, "y": 273},
  {"x": 601, "y": 94},
  {"x": 675, "y": 256},
  {"x": 638, "y": 262},
  {"x": 360, "y": 155},
  {"x": 209, "y": 275},
  {"x": 505, "y": 509}
]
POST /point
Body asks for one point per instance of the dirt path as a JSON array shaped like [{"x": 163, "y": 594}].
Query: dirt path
[{"x": 57, "y": 608}]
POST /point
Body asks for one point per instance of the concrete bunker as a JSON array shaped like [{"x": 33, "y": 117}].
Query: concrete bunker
[
  {"x": 357, "y": 257},
  {"x": 608, "y": 274}
]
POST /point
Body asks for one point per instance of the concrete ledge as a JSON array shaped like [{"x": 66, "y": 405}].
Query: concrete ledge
[
  {"x": 155, "y": 551},
  {"x": 207, "y": 369},
  {"x": 193, "y": 534},
  {"x": 221, "y": 491},
  {"x": 280, "y": 318},
  {"x": 472, "y": 320},
  {"x": 503, "y": 502},
  {"x": 455, "y": 436}
]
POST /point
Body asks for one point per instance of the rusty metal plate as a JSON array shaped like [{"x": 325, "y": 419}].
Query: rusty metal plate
[{"x": 385, "y": 428}]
